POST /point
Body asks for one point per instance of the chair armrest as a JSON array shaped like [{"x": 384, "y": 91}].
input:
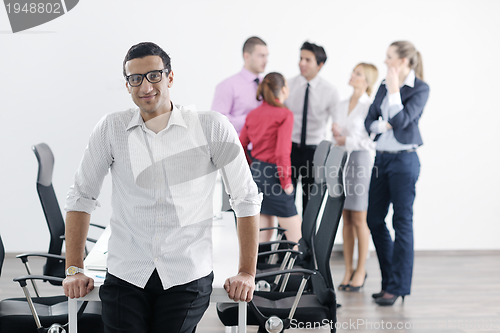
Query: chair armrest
[
  {"x": 98, "y": 226},
  {"x": 272, "y": 228},
  {"x": 22, "y": 279},
  {"x": 92, "y": 240},
  {"x": 268, "y": 253},
  {"x": 304, "y": 271},
  {"x": 24, "y": 256},
  {"x": 279, "y": 242}
]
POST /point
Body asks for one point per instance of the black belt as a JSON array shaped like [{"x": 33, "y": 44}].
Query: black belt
[
  {"x": 298, "y": 145},
  {"x": 396, "y": 152}
]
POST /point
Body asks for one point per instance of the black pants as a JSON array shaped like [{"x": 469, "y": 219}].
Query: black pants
[
  {"x": 127, "y": 308},
  {"x": 302, "y": 166},
  {"x": 393, "y": 181}
]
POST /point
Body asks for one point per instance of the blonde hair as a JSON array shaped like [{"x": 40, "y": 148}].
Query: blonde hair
[
  {"x": 371, "y": 74},
  {"x": 270, "y": 88},
  {"x": 405, "y": 49}
]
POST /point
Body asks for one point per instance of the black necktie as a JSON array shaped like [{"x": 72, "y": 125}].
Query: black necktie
[
  {"x": 304, "y": 119},
  {"x": 257, "y": 81}
]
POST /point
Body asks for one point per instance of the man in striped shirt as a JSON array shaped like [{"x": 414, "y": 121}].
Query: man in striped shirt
[{"x": 164, "y": 160}]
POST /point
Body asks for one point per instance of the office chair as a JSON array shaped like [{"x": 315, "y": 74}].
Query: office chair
[
  {"x": 317, "y": 194},
  {"x": 43, "y": 314},
  {"x": 275, "y": 311},
  {"x": 55, "y": 264},
  {"x": 308, "y": 227}
]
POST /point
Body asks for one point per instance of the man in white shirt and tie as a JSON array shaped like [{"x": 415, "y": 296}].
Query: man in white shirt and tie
[
  {"x": 163, "y": 159},
  {"x": 313, "y": 101}
]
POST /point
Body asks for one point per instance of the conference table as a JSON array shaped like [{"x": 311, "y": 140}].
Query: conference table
[{"x": 225, "y": 264}]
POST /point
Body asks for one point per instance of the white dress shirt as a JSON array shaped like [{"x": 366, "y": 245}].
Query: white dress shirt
[
  {"x": 323, "y": 99},
  {"x": 353, "y": 124},
  {"x": 390, "y": 107},
  {"x": 163, "y": 188}
]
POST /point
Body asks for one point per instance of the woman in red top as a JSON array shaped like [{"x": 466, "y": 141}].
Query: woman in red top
[{"x": 269, "y": 129}]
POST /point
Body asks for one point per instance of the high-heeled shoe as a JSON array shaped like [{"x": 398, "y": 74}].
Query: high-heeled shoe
[
  {"x": 388, "y": 301},
  {"x": 378, "y": 295},
  {"x": 356, "y": 288},
  {"x": 342, "y": 287}
]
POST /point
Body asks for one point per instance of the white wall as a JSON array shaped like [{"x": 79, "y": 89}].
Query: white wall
[{"x": 59, "y": 79}]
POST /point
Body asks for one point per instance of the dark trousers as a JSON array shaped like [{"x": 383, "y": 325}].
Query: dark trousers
[
  {"x": 127, "y": 308},
  {"x": 302, "y": 166},
  {"x": 393, "y": 181}
]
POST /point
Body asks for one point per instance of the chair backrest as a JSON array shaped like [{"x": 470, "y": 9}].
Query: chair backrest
[
  {"x": 49, "y": 203},
  {"x": 317, "y": 193},
  {"x": 2, "y": 255},
  {"x": 322, "y": 283}
]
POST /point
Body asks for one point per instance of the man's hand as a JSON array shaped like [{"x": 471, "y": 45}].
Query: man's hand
[
  {"x": 240, "y": 287},
  {"x": 77, "y": 285}
]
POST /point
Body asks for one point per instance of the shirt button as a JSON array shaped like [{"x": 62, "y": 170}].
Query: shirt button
[{"x": 156, "y": 259}]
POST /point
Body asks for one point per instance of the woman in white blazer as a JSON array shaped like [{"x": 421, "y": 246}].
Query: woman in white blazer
[{"x": 349, "y": 131}]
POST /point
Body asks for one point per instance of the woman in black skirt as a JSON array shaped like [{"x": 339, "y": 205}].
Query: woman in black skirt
[{"x": 269, "y": 129}]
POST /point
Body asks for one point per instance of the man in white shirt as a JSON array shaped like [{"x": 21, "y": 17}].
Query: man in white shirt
[
  {"x": 164, "y": 160},
  {"x": 313, "y": 101}
]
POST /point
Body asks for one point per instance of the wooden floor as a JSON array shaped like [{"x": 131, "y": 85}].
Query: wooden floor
[{"x": 452, "y": 292}]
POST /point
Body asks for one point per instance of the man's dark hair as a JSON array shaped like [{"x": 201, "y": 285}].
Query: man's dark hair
[
  {"x": 318, "y": 51},
  {"x": 145, "y": 49},
  {"x": 250, "y": 43}
]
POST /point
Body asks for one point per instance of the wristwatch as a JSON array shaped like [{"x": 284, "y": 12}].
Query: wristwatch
[{"x": 72, "y": 270}]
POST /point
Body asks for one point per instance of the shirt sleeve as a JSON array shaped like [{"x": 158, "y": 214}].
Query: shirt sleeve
[
  {"x": 412, "y": 108},
  {"x": 245, "y": 141},
  {"x": 283, "y": 150},
  {"x": 228, "y": 156},
  {"x": 223, "y": 100},
  {"x": 94, "y": 166},
  {"x": 378, "y": 127},
  {"x": 334, "y": 103},
  {"x": 358, "y": 138},
  {"x": 395, "y": 104}
]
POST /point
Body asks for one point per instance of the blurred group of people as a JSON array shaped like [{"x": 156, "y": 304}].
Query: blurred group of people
[{"x": 280, "y": 122}]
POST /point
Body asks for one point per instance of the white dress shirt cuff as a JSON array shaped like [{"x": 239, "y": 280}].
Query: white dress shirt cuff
[
  {"x": 382, "y": 126},
  {"x": 395, "y": 104},
  {"x": 250, "y": 206},
  {"x": 378, "y": 126},
  {"x": 80, "y": 204}
]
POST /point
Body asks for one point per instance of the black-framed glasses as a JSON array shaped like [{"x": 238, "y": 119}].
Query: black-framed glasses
[{"x": 135, "y": 80}]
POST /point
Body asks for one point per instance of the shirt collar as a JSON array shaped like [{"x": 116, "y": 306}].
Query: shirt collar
[
  {"x": 175, "y": 118},
  {"x": 364, "y": 98},
  {"x": 313, "y": 83},
  {"x": 249, "y": 76},
  {"x": 409, "y": 80}
]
